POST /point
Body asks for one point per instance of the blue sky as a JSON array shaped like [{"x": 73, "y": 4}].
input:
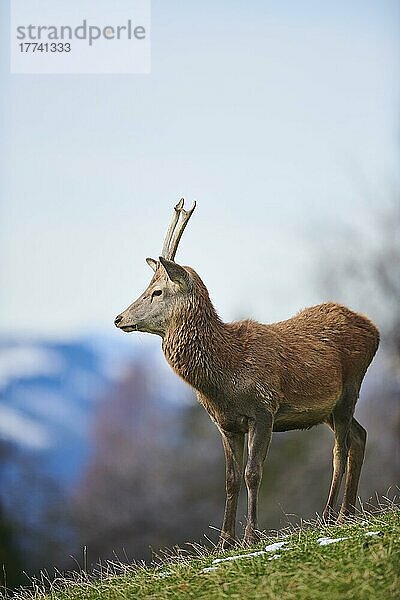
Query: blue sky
[{"x": 276, "y": 117}]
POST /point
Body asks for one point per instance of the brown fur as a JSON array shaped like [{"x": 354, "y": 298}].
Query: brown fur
[{"x": 297, "y": 369}]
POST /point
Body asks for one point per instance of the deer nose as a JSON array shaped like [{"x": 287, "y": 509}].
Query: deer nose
[{"x": 118, "y": 320}]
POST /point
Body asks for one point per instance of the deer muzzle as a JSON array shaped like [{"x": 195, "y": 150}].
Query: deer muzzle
[{"x": 120, "y": 322}]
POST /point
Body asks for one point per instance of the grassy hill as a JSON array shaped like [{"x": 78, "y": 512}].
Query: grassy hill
[{"x": 360, "y": 560}]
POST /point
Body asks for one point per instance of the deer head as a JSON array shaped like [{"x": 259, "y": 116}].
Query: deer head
[{"x": 170, "y": 284}]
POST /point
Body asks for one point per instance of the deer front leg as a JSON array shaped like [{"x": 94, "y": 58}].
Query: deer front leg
[
  {"x": 259, "y": 438},
  {"x": 233, "y": 446}
]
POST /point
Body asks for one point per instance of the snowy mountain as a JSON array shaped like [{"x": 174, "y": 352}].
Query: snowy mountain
[{"x": 49, "y": 391}]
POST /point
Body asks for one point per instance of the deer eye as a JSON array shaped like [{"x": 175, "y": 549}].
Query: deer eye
[{"x": 156, "y": 293}]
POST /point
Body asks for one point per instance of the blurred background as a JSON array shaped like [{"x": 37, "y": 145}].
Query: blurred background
[{"x": 281, "y": 120}]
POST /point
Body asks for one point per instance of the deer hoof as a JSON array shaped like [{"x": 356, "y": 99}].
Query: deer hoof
[
  {"x": 329, "y": 516},
  {"x": 251, "y": 538},
  {"x": 344, "y": 515},
  {"x": 225, "y": 543}
]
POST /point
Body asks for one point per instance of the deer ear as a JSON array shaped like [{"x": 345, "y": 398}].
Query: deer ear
[
  {"x": 153, "y": 264},
  {"x": 176, "y": 273}
]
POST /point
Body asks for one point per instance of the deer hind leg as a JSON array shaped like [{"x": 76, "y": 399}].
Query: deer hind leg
[
  {"x": 358, "y": 438},
  {"x": 340, "y": 427},
  {"x": 259, "y": 438},
  {"x": 233, "y": 447}
]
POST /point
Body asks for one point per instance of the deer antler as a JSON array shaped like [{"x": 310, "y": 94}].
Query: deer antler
[{"x": 179, "y": 221}]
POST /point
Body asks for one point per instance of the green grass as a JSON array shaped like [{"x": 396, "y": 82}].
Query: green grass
[{"x": 359, "y": 567}]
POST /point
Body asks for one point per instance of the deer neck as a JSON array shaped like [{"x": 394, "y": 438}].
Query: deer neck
[{"x": 195, "y": 346}]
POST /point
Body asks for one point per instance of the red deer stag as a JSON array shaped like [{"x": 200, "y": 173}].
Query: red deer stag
[{"x": 254, "y": 379}]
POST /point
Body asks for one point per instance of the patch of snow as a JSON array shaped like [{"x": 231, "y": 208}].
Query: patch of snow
[
  {"x": 45, "y": 404},
  {"x": 53, "y": 409},
  {"x": 325, "y": 541},
  {"x": 275, "y": 546},
  {"x": 371, "y": 533},
  {"x": 165, "y": 574},
  {"x": 18, "y": 428},
  {"x": 209, "y": 569},
  {"x": 20, "y": 362},
  {"x": 274, "y": 557},
  {"x": 237, "y": 556}
]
